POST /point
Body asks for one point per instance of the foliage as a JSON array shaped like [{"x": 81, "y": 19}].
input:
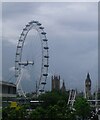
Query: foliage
[
  {"x": 82, "y": 107},
  {"x": 51, "y": 98},
  {"x": 38, "y": 114},
  {"x": 18, "y": 113},
  {"x": 60, "y": 111},
  {"x": 54, "y": 107}
]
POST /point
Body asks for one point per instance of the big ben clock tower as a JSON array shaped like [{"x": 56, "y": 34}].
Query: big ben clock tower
[{"x": 88, "y": 87}]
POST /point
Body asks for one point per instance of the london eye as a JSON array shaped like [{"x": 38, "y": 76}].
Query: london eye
[{"x": 21, "y": 62}]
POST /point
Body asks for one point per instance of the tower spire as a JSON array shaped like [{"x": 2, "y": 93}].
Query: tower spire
[
  {"x": 63, "y": 89},
  {"x": 88, "y": 75}
]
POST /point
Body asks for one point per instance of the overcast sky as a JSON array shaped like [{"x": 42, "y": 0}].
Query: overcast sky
[
  {"x": 72, "y": 33},
  {"x": 51, "y": 1}
]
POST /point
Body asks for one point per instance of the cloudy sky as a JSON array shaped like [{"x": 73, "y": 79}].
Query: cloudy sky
[{"x": 73, "y": 40}]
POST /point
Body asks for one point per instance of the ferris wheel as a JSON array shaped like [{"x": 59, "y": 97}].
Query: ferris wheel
[{"x": 21, "y": 63}]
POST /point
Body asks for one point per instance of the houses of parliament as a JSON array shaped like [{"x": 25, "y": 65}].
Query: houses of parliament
[{"x": 55, "y": 85}]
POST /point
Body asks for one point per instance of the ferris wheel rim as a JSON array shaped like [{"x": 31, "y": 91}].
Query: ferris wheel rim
[{"x": 45, "y": 56}]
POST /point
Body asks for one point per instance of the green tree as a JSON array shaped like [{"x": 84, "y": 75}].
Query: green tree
[
  {"x": 82, "y": 108},
  {"x": 56, "y": 113},
  {"x": 70, "y": 114},
  {"x": 38, "y": 114},
  {"x": 18, "y": 113},
  {"x": 51, "y": 98}
]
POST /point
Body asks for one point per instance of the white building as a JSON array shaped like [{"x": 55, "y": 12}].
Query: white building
[{"x": 7, "y": 89}]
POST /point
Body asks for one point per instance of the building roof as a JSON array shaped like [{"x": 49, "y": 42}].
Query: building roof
[{"x": 7, "y": 83}]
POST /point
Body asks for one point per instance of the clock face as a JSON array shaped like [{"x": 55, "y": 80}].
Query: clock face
[{"x": 89, "y": 83}]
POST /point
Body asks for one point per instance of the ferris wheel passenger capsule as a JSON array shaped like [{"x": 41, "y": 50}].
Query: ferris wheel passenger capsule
[
  {"x": 43, "y": 83},
  {"x": 46, "y": 65},
  {"x": 16, "y": 68},
  {"x": 35, "y": 21},
  {"x": 45, "y": 74},
  {"x": 16, "y": 61},
  {"x": 46, "y": 56},
  {"x": 17, "y": 53},
  {"x": 41, "y": 90},
  {"x": 41, "y": 27},
  {"x": 39, "y": 24},
  {"x": 19, "y": 46},
  {"x": 24, "y": 29},
  {"x": 45, "y": 40},
  {"x": 22, "y": 34},
  {"x": 43, "y": 33},
  {"x": 30, "y": 22},
  {"x": 20, "y": 40},
  {"x": 46, "y": 47},
  {"x": 27, "y": 25}
]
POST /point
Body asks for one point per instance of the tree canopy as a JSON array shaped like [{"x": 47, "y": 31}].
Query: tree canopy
[{"x": 82, "y": 107}]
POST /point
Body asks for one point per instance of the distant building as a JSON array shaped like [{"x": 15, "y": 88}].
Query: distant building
[
  {"x": 55, "y": 83},
  {"x": 7, "y": 89},
  {"x": 88, "y": 87},
  {"x": 63, "y": 88}
]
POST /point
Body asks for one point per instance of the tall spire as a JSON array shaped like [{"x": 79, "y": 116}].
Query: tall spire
[
  {"x": 88, "y": 75},
  {"x": 63, "y": 83},
  {"x": 63, "y": 89}
]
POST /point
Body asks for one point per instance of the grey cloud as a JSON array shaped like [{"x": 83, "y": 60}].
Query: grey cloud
[
  {"x": 72, "y": 32},
  {"x": 16, "y": 10}
]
